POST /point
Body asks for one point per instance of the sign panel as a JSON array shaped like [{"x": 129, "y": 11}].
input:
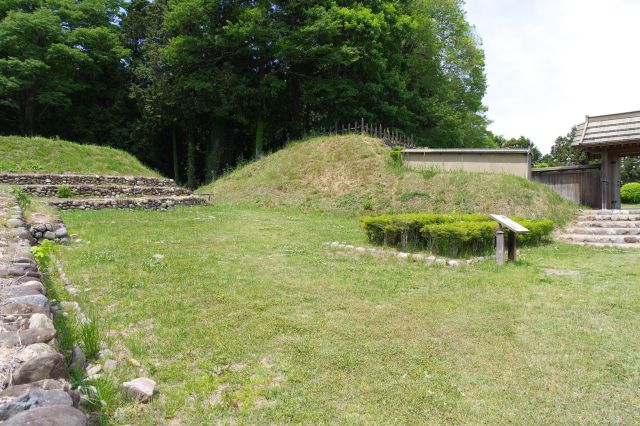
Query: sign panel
[{"x": 508, "y": 223}]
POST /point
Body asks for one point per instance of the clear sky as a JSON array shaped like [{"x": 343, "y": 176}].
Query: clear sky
[{"x": 551, "y": 62}]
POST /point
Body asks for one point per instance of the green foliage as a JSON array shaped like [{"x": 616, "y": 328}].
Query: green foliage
[
  {"x": 395, "y": 156},
  {"x": 64, "y": 191},
  {"x": 521, "y": 142},
  {"x": 22, "y": 198},
  {"x": 90, "y": 334},
  {"x": 630, "y": 170},
  {"x": 447, "y": 234},
  {"x": 630, "y": 193},
  {"x": 43, "y": 252}
]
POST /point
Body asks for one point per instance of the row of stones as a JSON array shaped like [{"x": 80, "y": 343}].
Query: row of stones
[
  {"x": 55, "y": 179},
  {"x": 35, "y": 384},
  {"x": 105, "y": 190},
  {"x": 44, "y": 231},
  {"x": 407, "y": 257},
  {"x": 161, "y": 204}
]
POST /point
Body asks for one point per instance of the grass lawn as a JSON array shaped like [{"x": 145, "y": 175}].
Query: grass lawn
[{"x": 248, "y": 319}]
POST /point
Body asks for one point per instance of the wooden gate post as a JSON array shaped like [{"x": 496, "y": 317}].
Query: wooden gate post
[{"x": 500, "y": 246}]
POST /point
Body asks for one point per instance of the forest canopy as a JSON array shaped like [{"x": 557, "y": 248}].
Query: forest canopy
[{"x": 191, "y": 86}]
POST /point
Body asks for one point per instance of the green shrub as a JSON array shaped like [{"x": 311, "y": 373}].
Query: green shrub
[
  {"x": 460, "y": 238},
  {"x": 395, "y": 156},
  {"x": 447, "y": 234},
  {"x": 22, "y": 198},
  {"x": 630, "y": 193},
  {"x": 64, "y": 191}
]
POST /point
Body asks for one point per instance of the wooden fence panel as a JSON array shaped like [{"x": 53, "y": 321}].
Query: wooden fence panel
[{"x": 580, "y": 184}]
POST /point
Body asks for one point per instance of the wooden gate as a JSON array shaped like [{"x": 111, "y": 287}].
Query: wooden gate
[{"x": 576, "y": 183}]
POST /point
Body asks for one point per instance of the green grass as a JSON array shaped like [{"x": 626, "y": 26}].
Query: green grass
[
  {"x": 352, "y": 174},
  {"x": 248, "y": 319},
  {"x": 41, "y": 155}
]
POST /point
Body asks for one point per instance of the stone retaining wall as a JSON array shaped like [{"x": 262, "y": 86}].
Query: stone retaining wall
[
  {"x": 57, "y": 179},
  {"x": 161, "y": 204},
  {"x": 105, "y": 190},
  {"x": 34, "y": 377}
]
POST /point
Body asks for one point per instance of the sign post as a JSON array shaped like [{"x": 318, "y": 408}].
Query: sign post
[{"x": 513, "y": 229}]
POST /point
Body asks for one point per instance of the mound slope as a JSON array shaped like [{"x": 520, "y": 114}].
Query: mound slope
[
  {"x": 41, "y": 155},
  {"x": 351, "y": 173}
]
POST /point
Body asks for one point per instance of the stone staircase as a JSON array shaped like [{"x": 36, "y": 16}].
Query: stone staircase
[
  {"x": 96, "y": 192},
  {"x": 604, "y": 228}
]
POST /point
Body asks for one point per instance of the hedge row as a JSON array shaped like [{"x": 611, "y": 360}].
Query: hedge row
[
  {"x": 447, "y": 234},
  {"x": 630, "y": 193}
]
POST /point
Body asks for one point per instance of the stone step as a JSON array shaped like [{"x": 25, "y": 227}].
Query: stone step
[
  {"x": 602, "y": 231},
  {"x": 149, "y": 203},
  {"x": 107, "y": 190},
  {"x": 600, "y": 239},
  {"x": 611, "y": 212},
  {"x": 605, "y": 245},
  {"x": 69, "y": 179},
  {"x": 608, "y": 224},
  {"x": 609, "y": 217}
]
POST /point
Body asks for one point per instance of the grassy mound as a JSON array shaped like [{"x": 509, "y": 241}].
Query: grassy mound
[
  {"x": 41, "y": 155},
  {"x": 352, "y": 173}
]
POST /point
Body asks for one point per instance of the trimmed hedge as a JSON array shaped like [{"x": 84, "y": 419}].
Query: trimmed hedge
[
  {"x": 630, "y": 193},
  {"x": 447, "y": 234}
]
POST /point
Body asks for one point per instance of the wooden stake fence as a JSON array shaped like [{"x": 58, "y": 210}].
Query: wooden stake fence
[{"x": 389, "y": 136}]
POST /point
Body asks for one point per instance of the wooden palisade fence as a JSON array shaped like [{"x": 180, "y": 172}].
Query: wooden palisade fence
[{"x": 390, "y": 137}]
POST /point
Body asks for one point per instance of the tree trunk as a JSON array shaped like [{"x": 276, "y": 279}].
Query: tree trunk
[
  {"x": 174, "y": 149},
  {"x": 191, "y": 164}
]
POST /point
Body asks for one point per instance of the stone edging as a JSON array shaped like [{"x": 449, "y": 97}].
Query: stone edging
[
  {"x": 161, "y": 204},
  {"x": 60, "y": 179},
  {"x": 36, "y": 388},
  {"x": 105, "y": 190},
  {"x": 407, "y": 257}
]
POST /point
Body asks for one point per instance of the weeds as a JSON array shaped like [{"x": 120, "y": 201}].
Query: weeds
[
  {"x": 21, "y": 197},
  {"x": 90, "y": 335},
  {"x": 64, "y": 191}
]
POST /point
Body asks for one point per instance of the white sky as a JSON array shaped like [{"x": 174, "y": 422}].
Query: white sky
[{"x": 551, "y": 62}]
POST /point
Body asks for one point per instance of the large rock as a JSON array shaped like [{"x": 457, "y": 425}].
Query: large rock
[
  {"x": 44, "y": 367},
  {"x": 38, "y": 300},
  {"x": 140, "y": 389},
  {"x": 33, "y": 398},
  {"x": 9, "y": 339},
  {"x": 46, "y": 384},
  {"x": 14, "y": 223},
  {"x": 17, "y": 291},
  {"x": 78, "y": 359},
  {"x": 35, "y": 351},
  {"x": 49, "y": 235},
  {"x": 61, "y": 232},
  {"x": 40, "y": 321},
  {"x": 22, "y": 309},
  {"x": 56, "y": 415}
]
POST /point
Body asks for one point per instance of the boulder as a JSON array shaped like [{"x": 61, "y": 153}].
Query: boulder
[
  {"x": 35, "y": 351},
  {"x": 46, "y": 384},
  {"x": 33, "y": 398},
  {"x": 17, "y": 291},
  {"x": 40, "y": 321},
  {"x": 44, "y": 367},
  {"x": 38, "y": 300},
  {"x": 9, "y": 339},
  {"x": 61, "y": 232},
  {"x": 22, "y": 309},
  {"x": 49, "y": 235},
  {"x": 140, "y": 389},
  {"x": 14, "y": 223},
  {"x": 78, "y": 359},
  {"x": 56, "y": 415}
]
